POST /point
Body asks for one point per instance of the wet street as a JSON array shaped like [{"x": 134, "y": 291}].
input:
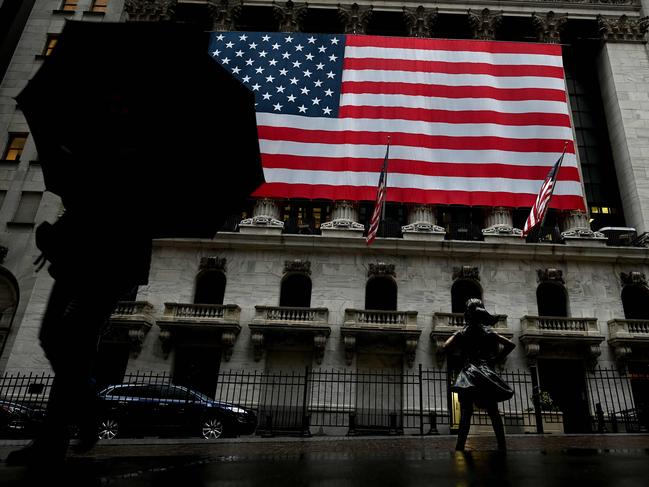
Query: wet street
[{"x": 595, "y": 460}]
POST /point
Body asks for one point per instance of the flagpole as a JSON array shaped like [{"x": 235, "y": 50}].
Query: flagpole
[
  {"x": 385, "y": 169},
  {"x": 545, "y": 213}
]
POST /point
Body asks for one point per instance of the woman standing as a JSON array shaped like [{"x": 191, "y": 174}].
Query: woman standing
[{"x": 477, "y": 383}]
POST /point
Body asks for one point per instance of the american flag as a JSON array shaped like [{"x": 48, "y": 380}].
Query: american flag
[
  {"x": 538, "y": 211},
  {"x": 381, "y": 191},
  {"x": 471, "y": 122}
]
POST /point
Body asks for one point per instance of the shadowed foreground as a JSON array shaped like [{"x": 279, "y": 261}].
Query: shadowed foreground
[{"x": 596, "y": 460}]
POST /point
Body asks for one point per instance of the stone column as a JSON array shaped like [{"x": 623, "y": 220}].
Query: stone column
[
  {"x": 422, "y": 224},
  {"x": 344, "y": 221},
  {"x": 500, "y": 226},
  {"x": 420, "y": 20},
  {"x": 354, "y": 18},
  {"x": 264, "y": 219},
  {"x": 575, "y": 230},
  {"x": 485, "y": 23},
  {"x": 224, "y": 14},
  {"x": 623, "y": 68},
  {"x": 290, "y": 17}
]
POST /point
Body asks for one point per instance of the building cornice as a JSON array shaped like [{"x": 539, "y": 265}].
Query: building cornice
[
  {"x": 585, "y": 9},
  {"x": 313, "y": 244}
]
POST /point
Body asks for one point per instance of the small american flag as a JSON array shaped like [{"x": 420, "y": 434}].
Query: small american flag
[
  {"x": 379, "y": 206},
  {"x": 540, "y": 208},
  {"x": 471, "y": 122}
]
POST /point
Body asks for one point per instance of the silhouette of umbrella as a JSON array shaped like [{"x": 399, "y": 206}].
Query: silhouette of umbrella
[{"x": 138, "y": 118}]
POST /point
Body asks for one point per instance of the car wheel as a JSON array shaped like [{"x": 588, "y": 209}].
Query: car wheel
[
  {"x": 212, "y": 428},
  {"x": 108, "y": 429}
]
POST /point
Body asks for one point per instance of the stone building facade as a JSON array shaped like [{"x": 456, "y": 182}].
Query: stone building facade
[{"x": 292, "y": 284}]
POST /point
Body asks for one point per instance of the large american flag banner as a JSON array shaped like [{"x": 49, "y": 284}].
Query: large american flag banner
[{"x": 471, "y": 122}]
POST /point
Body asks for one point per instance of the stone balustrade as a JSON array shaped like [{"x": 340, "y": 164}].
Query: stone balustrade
[
  {"x": 377, "y": 318},
  {"x": 582, "y": 334},
  {"x": 627, "y": 335},
  {"x": 203, "y": 312},
  {"x": 271, "y": 322},
  {"x": 129, "y": 323},
  {"x": 215, "y": 319},
  {"x": 296, "y": 315},
  {"x": 456, "y": 320},
  {"x": 557, "y": 324}
]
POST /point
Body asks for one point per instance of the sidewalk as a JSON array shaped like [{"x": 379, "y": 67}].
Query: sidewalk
[{"x": 408, "y": 461}]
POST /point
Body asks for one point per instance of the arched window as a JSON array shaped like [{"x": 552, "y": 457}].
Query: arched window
[
  {"x": 9, "y": 296},
  {"x": 381, "y": 293},
  {"x": 634, "y": 301},
  {"x": 296, "y": 291},
  {"x": 552, "y": 299},
  {"x": 210, "y": 287},
  {"x": 461, "y": 291}
]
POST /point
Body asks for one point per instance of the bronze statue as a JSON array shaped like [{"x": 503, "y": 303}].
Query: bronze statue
[{"x": 477, "y": 383}]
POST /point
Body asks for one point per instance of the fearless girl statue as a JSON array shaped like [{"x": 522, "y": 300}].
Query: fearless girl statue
[{"x": 477, "y": 383}]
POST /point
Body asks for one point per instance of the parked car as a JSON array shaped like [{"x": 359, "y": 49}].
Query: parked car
[
  {"x": 18, "y": 419},
  {"x": 159, "y": 409}
]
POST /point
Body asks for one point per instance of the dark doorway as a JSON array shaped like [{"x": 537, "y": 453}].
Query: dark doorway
[
  {"x": 552, "y": 300},
  {"x": 564, "y": 381},
  {"x": 197, "y": 367},
  {"x": 296, "y": 291},
  {"x": 210, "y": 288},
  {"x": 381, "y": 294},
  {"x": 634, "y": 300},
  {"x": 461, "y": 291},
  {"x": 111, "y": 363}
]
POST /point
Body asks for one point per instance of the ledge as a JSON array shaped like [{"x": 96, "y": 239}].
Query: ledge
[{"x": 400, "y": 247}]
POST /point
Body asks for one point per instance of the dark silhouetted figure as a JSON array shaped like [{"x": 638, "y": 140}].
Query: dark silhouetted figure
[
  {"x": 96, "y": 259},
  {"x": 477, "y": 383}
]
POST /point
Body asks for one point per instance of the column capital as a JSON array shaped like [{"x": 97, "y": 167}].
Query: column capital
[
  {"x": 224, "y": 14},
  {"x": 420, "y": 20},
  {"x": 290, "y": 16},
  {"x": 484, "y": 23},
  {"x": 354, "y": 17},
  {"x": 150, "y": 10},
  {"x": 549, "y": 26},
  {"x": 623, "y": 28}
]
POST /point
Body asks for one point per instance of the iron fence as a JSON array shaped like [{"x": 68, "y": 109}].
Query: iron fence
[{"x": 415, "y": 401}]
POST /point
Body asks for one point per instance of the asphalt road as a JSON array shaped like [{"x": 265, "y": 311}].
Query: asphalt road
[{"x": 594, "y": 460}]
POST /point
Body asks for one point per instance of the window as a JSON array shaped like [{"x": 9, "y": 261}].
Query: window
[
  {"x": 634, "y": 301},
  {"x": 99, "y": 6},
  {"x": 595, "y": 156},
  {"x": 296, "y": 291},
  {"x": 381, "y": 294},
  {"x": 28, "y": 206},
  {"x": 552, "y": 300},
  {"x": 210, "y": 287},
  {"x": 69, "y": 5},
  {"x": 461, "y": 291},
  {"x": 15, "y": 147},
  {"x": 52, "y": 39}
]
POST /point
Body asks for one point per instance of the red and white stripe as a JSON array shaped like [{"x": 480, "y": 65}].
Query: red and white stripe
[{"x": 471, "y": 122}]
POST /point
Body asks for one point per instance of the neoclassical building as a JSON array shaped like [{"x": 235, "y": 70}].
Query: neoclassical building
[{"x": 291, "y": 283}]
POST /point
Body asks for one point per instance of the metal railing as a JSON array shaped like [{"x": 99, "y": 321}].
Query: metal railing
[{"x": 415, "y": 401}]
